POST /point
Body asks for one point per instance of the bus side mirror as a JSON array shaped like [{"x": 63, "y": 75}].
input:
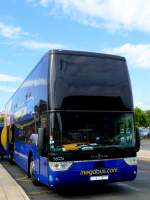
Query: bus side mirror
[
  {"x": 41, "y": 139},
  {"x": 137, "y": 136}
]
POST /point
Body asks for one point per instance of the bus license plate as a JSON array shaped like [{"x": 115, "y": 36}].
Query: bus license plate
[{"x": 99, "y": 178}]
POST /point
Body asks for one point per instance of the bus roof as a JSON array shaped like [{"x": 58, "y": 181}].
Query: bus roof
[{"x": 86, "y": 53}]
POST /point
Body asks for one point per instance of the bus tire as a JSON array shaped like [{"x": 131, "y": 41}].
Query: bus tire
[
  {"x": 2, "y": 157},
  {"x": 31, "y": 172},
  {"x": 11, "y": 160}
]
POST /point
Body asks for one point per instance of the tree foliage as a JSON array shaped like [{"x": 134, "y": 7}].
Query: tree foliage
[
  {"x": 142, "y": 118},
  {"x": 1, "y": 119},
  {"x": 148, "y": 117}
]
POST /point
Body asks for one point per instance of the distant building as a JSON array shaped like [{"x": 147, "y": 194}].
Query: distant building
[{"x": 2, "y": 114}]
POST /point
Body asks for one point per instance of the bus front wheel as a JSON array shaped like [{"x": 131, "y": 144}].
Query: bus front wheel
[{"x": 31, "y": 172}]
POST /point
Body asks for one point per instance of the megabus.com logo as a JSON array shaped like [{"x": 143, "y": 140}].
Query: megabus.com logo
[{"x": 98, "y": 171}]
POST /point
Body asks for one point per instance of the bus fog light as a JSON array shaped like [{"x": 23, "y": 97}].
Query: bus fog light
[
  {"x": 57, "y": 179},
  {"x": 59, "y": 166},
  {"x": 131, "y": 161},
  {"x": 50, "y": 179}
]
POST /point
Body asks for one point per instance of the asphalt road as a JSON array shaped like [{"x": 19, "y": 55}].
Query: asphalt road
[
  {"x": 145, "y": 144},
  {"x": 136, "y": 190}
]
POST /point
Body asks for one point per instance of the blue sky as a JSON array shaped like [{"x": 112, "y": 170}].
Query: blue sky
[{"x": 29, "y": 28}]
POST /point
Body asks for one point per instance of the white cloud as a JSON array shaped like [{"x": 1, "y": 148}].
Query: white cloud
[
  {"x": 112, "y": 14},
  {"x": 36, "y": 2},
  {"x": 44, "y": 2},
  {"x": 9, "y": 31},
  {"x": 7, "y": 89},
  {"x": 40, "y": 45},
  {"x": 9, "y": 78},
  {"x": 138, "y": 55}
]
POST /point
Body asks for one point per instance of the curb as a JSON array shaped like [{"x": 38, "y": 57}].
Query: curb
[{"x": 22, "y": 192}]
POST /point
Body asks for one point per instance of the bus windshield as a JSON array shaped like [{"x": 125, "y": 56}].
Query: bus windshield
[{"x": 72, "y": 131}]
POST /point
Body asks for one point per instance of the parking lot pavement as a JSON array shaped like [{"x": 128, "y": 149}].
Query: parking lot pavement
[
  {"x": 135, "y": 190},
  {"x": 145, "y": 144},
  {"x": 9, "y": 188},
  {"x": 144, "y": 155}
]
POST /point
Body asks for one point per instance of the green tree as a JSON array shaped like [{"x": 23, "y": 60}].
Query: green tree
[
  {"x": 141, "y": 118},
  {"x": 148, "y": 117},
  {"x": 1, "y": 119}
]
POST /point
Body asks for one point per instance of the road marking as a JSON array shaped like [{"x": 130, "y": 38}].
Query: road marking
[
  {"x": 21, "y": 178},
  {"x": 26, "y": 180},
  {"x": 130, "y": 187},
  {"x": 40, "y": 192}
]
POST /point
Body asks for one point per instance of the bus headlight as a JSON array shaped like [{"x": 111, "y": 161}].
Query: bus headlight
[
  {"x": 131, "y": 161},
  {"x": 59, "y": 166}
]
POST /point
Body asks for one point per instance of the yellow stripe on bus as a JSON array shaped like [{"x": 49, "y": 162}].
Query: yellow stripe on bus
[{"x": 4, "y": 138}]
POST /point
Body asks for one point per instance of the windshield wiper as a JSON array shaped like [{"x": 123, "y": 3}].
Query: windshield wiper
[{"x": 82, "y": 148}]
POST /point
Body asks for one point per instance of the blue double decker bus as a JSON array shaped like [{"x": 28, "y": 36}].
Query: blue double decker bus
[{"x": 71, "y": 121}]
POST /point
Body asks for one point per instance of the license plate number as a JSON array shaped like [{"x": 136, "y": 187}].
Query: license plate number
[{"x": 99, "y": 178}]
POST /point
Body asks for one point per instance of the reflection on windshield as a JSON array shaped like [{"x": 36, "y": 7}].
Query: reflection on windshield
[{"x": 88, "y": 130}]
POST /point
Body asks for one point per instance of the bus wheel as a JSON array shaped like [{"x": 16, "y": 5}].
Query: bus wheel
[
  {"x": 31, "y": 172},
  {"x": 11, "y": 160}
]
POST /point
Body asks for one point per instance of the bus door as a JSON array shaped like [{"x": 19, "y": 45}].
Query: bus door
[
  {"x": 43, "y": 162},
  {"x": 11, "y": 142}
]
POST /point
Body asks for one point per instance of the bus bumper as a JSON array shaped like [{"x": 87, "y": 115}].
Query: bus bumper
[{"x": 77, "y": 177}]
